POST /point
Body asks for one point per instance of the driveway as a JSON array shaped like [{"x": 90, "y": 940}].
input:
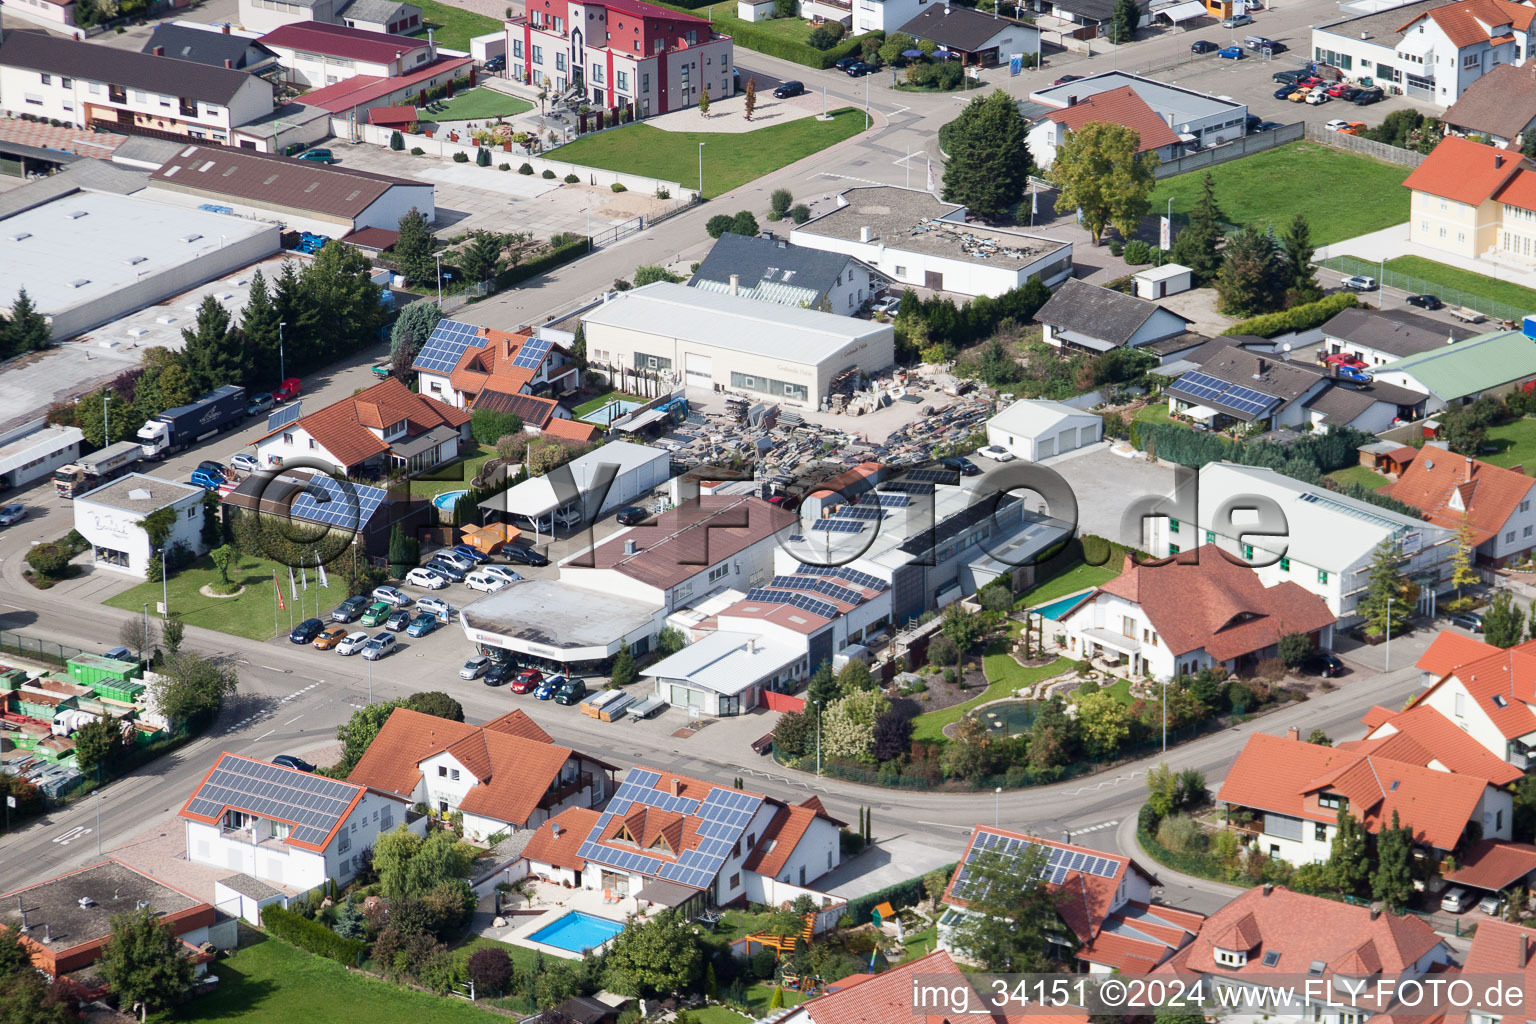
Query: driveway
[{"x": 1107, "y": 485}]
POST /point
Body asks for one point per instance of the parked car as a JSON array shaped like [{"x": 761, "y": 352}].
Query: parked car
[
  {"x": 290, "y": 388},
  {"x": 424, "y": 577},
  {"x": 350, "y": 609},
  {"x": 963, "y": 464},
  {"x": 788, "y": 89},
  {"x": 473, "y": 554},
  {"x": 631, "y": 515},
  {"x": 1237, "y": 19},
  {"x": 845, "y": 63},
  {"x": 455, "y": 558},
  {"x": 1266, "y": 126},
  {"x": 516, "y": 555},
  {"x": 1343, "y": 359},
  {"x": 1323, "y": 664},
  {"x": 484, "y": 581},
  {"x": 496, "y": 63},
  {"x": 207, "y": 479},
  {"x": 421, "y": 625},
  {"x": 1347, "y": 93},
  {"x": 996, "y": 452},
  {"x": 1285, "y": 91},
  {"x": 380, "y": 646},
  {"x": 376, "y": 613},
  {"x": 1491, "y": 903},
  {"x": 475, "y": 667},
  {"x": 1468, "y": 620},
  {"x": 318, "y": 156},
  {"x": 887, "y": 305},
  {"x": 244, "y": 462},
  {"x": 548, "y": 688},
  {"x": 1354, "y": 127},
  {"x": 259, "y": 404},
  {"x": 572, "y": 692},
  {"x": 1317, "y": 97},
  {"x": 1288, "y": 77},
  {"x": 527, "y": 680},
  {"x": 1354, "y": 374},
  {"x": 10, "y": 515},
  {"x": 1203, "y": 46},
  {"x": 298, "y": 764},
  {"x": 353, "y": 643},
  {"x": 1299, "y": 94},
  {"x": 398, "y": 620},
  {"x": 434, "y": 606},
  {"x": 1455, "y": 900},
  {"x": 501, "y": 572},
  {"x": 1231, "y": 53},
  {"x": 1424, "y": 301},
  {"x": 859, "y": 69},
  {"x": 306, "y": 631},
  {"x": 1064, "y": 79},
  {"x": 1359, "y": 283},
  {"x": 451, "y": 572},
  {"x": 500, "y": 673},
  {"x": 330, "y": 637},
  {"x": 392, "y": 596},
  {"x": 1364, "y": 97},
  {"x": 1338, "y": 124},
  {"x": 1338, "y": 89},
  {"x": 120, "y": 654}
]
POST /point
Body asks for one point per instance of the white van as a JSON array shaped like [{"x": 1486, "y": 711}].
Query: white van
[
  {"x": 570, "y": 518},
  {"x": 487, "y": 581}
]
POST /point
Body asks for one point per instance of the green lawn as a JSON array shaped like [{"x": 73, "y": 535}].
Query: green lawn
[
  {"x": 1367, "y": 478},
  {"x": 717, "y": 1015},
  {"x": 597, "y": 403},
  {"x": 1078, "y": 577},
  {"x": 1516, "y": 443},
  {"x": 730, "y": 159},
  {"x": 1444, "y": 277},
  {"x": 523, "y": 958},
  {"x": 455, "y": 476},
  {"x": 479, "y": 103},
  {"x": 1342, "y": 194},
  {"x": 250, "y": 614},
  {"x": 270, "y": 982},
  {"x": 1154, "y": 412},
  {"x": 1004, "y": 676},
  {"x": 454, "y": 26},
  {"x": 921, "y": 943},
  {"x": 723, "y": 16}
]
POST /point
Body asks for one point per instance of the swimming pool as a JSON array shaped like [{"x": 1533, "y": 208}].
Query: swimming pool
[
  {"x": 605, "y": 416},
  {"x": 577, "y": 932},
  {"x": 1056, "y": 609},
  {"x": 448, "y": 499}
]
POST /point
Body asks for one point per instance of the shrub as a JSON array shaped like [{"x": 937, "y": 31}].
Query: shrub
[
  {"x": 50, "y": 560},
  {"x": 417, "y": 151},
  {"x": 744, "y": 224},
  {"x": 549, "y": 174},
  {"x": 571, "y": 179},
  {"x": 717, "y": 225},
  {"x": 1116, "y": 247},
  {"x": 662, "y": 192},
  {"x": 1297, "y": 318},
  {"x": 907, "y": 893},
  {"x": 800, "y": 213},
  {"x": 503, "y": 167},
  {"x": 618, "y": 186},
  {"x": 461, "y": 157},
  {"x": 748, "y": 35},
  {"x": 822, "y": 38},
  {"x": 779, "y": 203},
  {"x": 527, "y": 168},
  {"x": 396, "y": 141},
  {"x": 311, "y": 936},
  {"x": 943, "y": 651},
  {"x": 1137, "y": 252},
  {"x": 1181, "y": 834},
  {"x": 483, "y": 157}
]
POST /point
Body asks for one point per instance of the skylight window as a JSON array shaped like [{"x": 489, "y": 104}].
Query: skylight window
[{"x": 1271, "y": 958}]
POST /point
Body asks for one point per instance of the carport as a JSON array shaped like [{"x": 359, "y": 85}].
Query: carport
[
  {"x": 1178, "y": 13},
  {"x": 1494, "y": 866}
]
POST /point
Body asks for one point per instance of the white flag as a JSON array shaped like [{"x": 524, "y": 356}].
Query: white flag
[
  {"x": 930, "y": 174},
  {"x": 293, "y": 589},
  {"x": 320, "y": 572},
  {"x": 1034, "y": 201},
  {"x": 303, "y": 579}
]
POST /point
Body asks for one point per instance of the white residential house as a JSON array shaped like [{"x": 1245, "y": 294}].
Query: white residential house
[
  {"x": 863, "y": 16},
  {"x": 459, "y": 362},
  {"x": 286, "y": 826},
  {"x": 1036, "y": 429}
]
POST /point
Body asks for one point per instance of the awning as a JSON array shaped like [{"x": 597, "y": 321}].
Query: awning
[
  {"x": 423, "y": 443},
  {"x": 666, "y": 894},
  {"x": 1198, "y": 412},
  {"x": 1113, "y": 640},
  {"x": 639, "y": 421},
  {"x": 1187, "y": 11},
  {"x": 1078, "y": 338}
]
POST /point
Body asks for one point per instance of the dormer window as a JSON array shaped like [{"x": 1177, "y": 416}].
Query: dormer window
[
  {"x": 1232, "y": 957},
  {"x": 1333, "y": 801}
]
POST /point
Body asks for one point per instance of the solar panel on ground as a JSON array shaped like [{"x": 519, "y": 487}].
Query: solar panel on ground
[{"x": 444, "y": 346}]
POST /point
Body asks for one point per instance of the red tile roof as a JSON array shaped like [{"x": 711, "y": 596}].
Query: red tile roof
[
  {"x": 1286, "y": 776},
  {"x": 1202, "y": 600},
  {"x": 571, "y": 430},
  {"x": 1453, "y": 489},
  {"x": 341, "y": 41},
  {"x": 517, "y": 723},
  {"x": 1492, "y": 864},
  {"x": 1422, "y": 735},
  {"x": 1502, "y": 685},
  {"x": 342, "y": 428},
  {"x": 361, "y": 90},
  {"x": 1521, "y": 190},
  {"x": 1501, "y": 948},
  {"x": 488, "y": 364},
  {"x": 1470, "y": 22},
  {"x": 1467, "y": 172},
  {"x": 1118, "y": 106},
  {"x": 787, "y": 828},
  {"x": 1303, "y": 929},
  {"x": 392, "y": 115},
  {"x": 559, "y": 850},
  {"x": 1449, "y": 651}
]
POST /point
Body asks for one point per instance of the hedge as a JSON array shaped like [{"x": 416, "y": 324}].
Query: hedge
[
  {"x": 1297, "y": 318},
  {"x": 559, "y": 256},
  {"x": 311, "y": 936},
  {"x": 908, "y": 893},
  {"x": 801, "y": 53}
]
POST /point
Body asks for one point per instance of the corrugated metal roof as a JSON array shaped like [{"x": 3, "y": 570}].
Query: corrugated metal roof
[{"x": 1470, "y": 366}]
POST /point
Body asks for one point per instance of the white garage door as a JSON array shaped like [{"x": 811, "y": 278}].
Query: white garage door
[
  {"x": 1045, "y": 447},
  {"x": 700, "y": 370},
  {"x": 1067, "y": 439}
]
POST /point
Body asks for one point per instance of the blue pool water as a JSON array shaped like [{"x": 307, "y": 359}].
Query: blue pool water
[
  {"x": 578, "y": 932},
  {"x": 1056, "y": 609},
  {"x": 613, "y": 410},
  {"x": 448, "y": 499}
]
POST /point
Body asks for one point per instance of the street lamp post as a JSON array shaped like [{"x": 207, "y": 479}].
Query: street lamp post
[
  {"x": 106, "y": 420},
  {"x": 997, "y": 806},
  {"x": 282, "y": 363},
  {"x": 818, "y": 738},
  {"x": 144, "y": 637},
  {"x": 1165, "y": 717},
  {"x": 1388, "y": 657},
  {"x": 370, "y": 682},
  {"x": 701, "y": 172},
  {"x": 165, "y": 587},
  {"x": 439, "y": 279}
]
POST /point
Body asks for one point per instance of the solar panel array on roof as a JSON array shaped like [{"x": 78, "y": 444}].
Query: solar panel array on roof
[
  {"x": 283, "y": 415},
  {"x": 888, "y": 500},
  {"x": 838, "y": 525},
  {"x": 868, "y": 513},
  {"x": 1204, "y": 388},
  {"x": 1058, "y": 863},
  {"x": 907, "y": 487},
  {"x": 724, "y": 814},
  {"x": 532, "y": 353},
  {"x": 842, "y": 572},
  {"x": 932, "y": 476},
  {"x": 802, "y": 601},
  {"x": 447, "y": 342},
  {"x": 818, "y": 585},
  {"x": 312, "y": 804},
  {"x": 334, "y": 502}
]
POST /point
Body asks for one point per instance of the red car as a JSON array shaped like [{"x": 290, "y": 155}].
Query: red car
[
  {"x": 1344, "y": 359},
  {"x": 1310, "y": 82},
  {"x": 527, "y": 680},
  {"x": 289, "y": 388},
  {"x": 1338, "y": 89}
]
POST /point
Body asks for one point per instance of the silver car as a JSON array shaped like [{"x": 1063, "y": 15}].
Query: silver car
[{"x": 475, "y": 667}]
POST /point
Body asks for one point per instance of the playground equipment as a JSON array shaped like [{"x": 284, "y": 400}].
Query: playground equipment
[{"x": 786, "y": 943}]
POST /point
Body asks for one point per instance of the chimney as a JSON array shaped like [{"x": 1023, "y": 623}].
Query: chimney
[
  {"x": 159, "y": 51},
  {"x": 631, "y": 548},
  {"x": 229, "y": 64},
  {"x": 1293, "y": 733},
  {"x": 865, "y": 234},
  {"x": 677, "y": 786},
  {"x": 1498, "y": 160},
  {"x": 1268, "y": 888},
  {"x": 1263, "y": 366},
  {"x": 735, "y": 284},
  {"x": 1071, "y": 101},
  {"x": 752, "y": 645},
  {"x": 226, "y": 28},
  {"x": 1375, "y": 911},
  {"x": 1468, "y": 469}
]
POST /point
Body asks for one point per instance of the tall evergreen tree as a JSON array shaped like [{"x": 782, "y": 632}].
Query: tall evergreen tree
[
  {"x": 28, "y": 330},
  {"x": 214, "y": 355},
  {"x": 1349, "y": 861},
  {"x": 1388, "y": 578},
  {"x": 989, "y": 163},
  {"x": 259, "y": 324},
  {"x": 1196, "y": 245},
  {"x": 1301, "y": 278},
  {"x": 1123, "y": 21},
  {"x": 413, "y": 250},
  {"x": 1248, "y": 282},
  {"x": 1392, "y": 881},
  {"x": 1503, "y": 623},
  {"x": 6, "y": 351}
]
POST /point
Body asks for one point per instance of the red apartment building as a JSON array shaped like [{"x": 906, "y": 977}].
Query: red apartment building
[{"x": 620, "y": 53}]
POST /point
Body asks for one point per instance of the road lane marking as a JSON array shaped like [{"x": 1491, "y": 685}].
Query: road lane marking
[
  {"x": 78, "y": 832},
  {"x": 295, "y": 718},
  {"x": 264, "y": 735}
]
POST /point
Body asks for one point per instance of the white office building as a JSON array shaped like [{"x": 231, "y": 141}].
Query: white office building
[{"x": 111, "y": 519}]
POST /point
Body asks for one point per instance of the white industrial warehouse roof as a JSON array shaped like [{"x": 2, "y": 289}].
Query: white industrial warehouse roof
[
  {"x": 83, "y": 247},
  {"x": 37, "y": 445},
  {"x": 727, "y": 662},
  {"x": 734, "y": 322},
  {"x": 537, "y": 496}
]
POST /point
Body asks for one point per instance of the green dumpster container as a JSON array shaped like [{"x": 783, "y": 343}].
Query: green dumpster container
[{"x": 90, "y": 669}]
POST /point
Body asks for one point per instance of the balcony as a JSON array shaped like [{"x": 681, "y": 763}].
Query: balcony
[{"x": 561, "y": 792}]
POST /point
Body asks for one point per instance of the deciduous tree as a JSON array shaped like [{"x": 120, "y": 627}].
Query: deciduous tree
[
  {"x": 1462, "y": 573},
  {"x": 751, "y": 100},
  {"x": 1503, "y": 623},
  {"x": 1100, "y": 173},
  {"x": 1105, "y": 723},
  {"x": 143, "y": 962},
  {"x": 1392, "y": 881},
  {"x": 661, "y": 957},
  {"x": 1010, "y": 909},
  {"x": 414, "y": 249},
  {"x": 1349, "y": 860}
]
